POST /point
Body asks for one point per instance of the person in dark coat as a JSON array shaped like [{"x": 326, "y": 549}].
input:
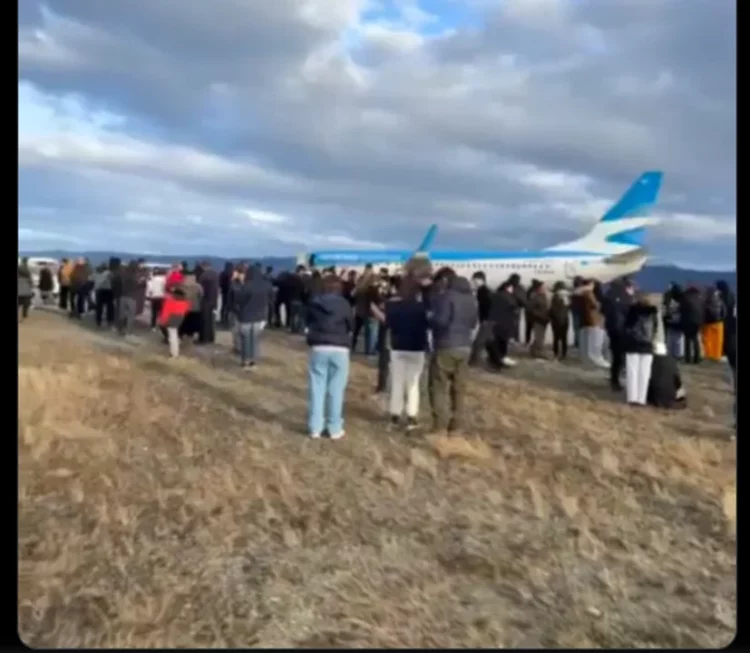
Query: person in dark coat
[
  {"x": 80, "y": 288},
  {"x": 453, "y": 317},
  {"x": 225, "y": 279},
  {"x": 665, "y": 387},
  {"x": 25, "y": 288},
  {"x": 520, "y": 294},
  {"x": 670, "y": 313},
  {"x": 484, "y": 304},
  {"x": 209, "y": 281},
  {"x": 640, "y": 330},
  {"x": 252, "y": 300},
  {"x": 46, "y": 283},
  {"x": 559, "y": 316},
  {"x": 537, "y": 310},
  {"x": 503, "y": 317},
  {"x": 617, "y": 303},
  {"x": 691, "y": 317},
  {"x": 730, "y": 321}
]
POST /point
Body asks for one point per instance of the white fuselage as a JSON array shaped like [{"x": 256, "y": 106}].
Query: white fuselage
[{"x": 548, "y": 269}]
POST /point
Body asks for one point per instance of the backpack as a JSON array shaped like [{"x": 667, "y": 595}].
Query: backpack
[{"x": 642, "y": 332}]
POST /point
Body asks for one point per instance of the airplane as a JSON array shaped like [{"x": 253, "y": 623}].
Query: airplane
[{"x": 612, "y": 249}]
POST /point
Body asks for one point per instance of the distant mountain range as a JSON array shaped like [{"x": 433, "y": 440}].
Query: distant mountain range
[{"x": 652, "y": 278}]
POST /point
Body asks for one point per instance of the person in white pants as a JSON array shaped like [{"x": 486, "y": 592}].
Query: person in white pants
[
  {"x": 641, "y": 330},
  {"x": 405, "y": 318}
]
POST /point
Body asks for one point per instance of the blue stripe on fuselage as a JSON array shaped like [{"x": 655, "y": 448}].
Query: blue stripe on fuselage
[{"x": 354, "y": 257}]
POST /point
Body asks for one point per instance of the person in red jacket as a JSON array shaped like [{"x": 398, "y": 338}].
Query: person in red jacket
[
  {"x": 173, "y": 311},
  {"x": 175, "y": 277}
]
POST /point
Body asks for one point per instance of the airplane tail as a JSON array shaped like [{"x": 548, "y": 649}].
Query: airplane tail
[
  {"x": 623, "y": 228},
  {"x": 424, "y": 246}
]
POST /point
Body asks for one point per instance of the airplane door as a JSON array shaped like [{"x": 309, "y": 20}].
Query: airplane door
[{"x": 571, "y": 269}]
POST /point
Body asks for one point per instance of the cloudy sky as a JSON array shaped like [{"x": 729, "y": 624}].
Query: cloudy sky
[{"x": 247, "y": 127}]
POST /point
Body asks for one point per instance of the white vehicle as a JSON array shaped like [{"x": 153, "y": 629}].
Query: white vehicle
[{"x": 36, "y": 263}]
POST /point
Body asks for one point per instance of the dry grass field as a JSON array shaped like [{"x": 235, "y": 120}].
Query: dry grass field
[{"x": 178, "y": 504}]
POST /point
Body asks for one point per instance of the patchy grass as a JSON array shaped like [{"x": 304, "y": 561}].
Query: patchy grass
[{"x": 177, "y": 504}]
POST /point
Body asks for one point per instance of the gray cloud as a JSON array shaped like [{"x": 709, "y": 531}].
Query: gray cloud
[{"x": 521, "y": 122}]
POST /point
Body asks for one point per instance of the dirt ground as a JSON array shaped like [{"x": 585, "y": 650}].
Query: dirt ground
[{"x": 178, "y": 504}]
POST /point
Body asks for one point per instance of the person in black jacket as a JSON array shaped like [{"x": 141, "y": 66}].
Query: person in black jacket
[
  {"x": 46, "y": 283},
  {"x": 665, "y": 388},
  {"x": 576, "y": 310},
  {"x": 503, "y": 317},
  {"x": 640, "y": 329},
  {"x": 225, "y": 280},
  {"x": 617, "y": 303},
  {"x": 559, "y": 317},
  {"x": 405, "y": 317},
  {"x": 329, "y": 326},
  {"x": 730, "y": 321},
  {"x": 519, "y": 293},
  {"x": 484, "y": 303},
  {"x": 129, "y": 288},
  {"x": 209, "y": 281},
  {"x": 671, "y": 302},
  {"x": 691, "y": 318},
  {"x": 251, "y": 300}
]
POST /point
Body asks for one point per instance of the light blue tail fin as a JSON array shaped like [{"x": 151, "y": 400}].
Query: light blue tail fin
[
  {"x": 623, "y": 227},
  {"x": 427, "y": 241},
  {"x": 638, "y": 200}
]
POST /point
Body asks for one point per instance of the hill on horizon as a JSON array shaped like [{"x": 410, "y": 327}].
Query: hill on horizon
[{"x": 652, "y": 278}]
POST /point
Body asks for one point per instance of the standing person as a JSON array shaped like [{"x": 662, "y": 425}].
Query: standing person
[
  {"x": 364, "y": 294},
  {"x": 142, "y": 276},
  {"x": 453, "y": 318},
  {"x": 348, "y": 286},
  {"x": 329, "y": 329},
  {"x": 386, "y": 288},
  {"x": 128, "y": 304},
  {"x": 576, "y": 312},
  {"x": 173, "y": 309},
  {"x": 191, "y": 325},
  {"x": 79, "y": 288},
  {"x": 712, "y": 331},
  {"x": 405, "y": 316},
  {"x": 559, "y": 317},
  {"x": 691, "y": 317},
  {"x": 46, "y": 283},
  {"x": 225, "y": 280},
  {"x": 592, "y": 337},
  {"x": 503, "y": 319},
  {"x": 673, "y": 320},
  {"x": 537, "y": 312},
  {"x": 175, "y": 276},
  {"x": 295, "y": 298},
  {"x": 209, "y": 281},
  {"x": 235, "y": 288},
  {"x": 730, "y": 314},
  {"x": 155, "y": 291},
  {"x": 252, "y": 300},
  {"x": 115, "y": 274},
  {"x": 616, "y": 306},
  {"x": 519, "y": 293},
  {"x": 640, "y": 329},
  {"x": 483, "y": 335},
  {"x": 528, "y": 316},
  {"x": 64, "y": 273},
  {"x": 103, "y": 296},
  {"x": 25, "y": 288}
]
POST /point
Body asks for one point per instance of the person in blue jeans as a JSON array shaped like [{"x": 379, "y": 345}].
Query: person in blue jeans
[
  {"x": 252, "y": 300},
  {"x": 329, "y": 332}
]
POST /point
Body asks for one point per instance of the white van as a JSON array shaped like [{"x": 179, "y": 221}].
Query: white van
[{"x": 35, "y": 266}]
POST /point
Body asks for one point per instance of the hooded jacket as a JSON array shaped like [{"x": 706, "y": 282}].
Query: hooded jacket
[
  {"x": 617, "y": 303},
  {"x": 329, "y": 321},
  {"x": 454, "y": 316},
  {"x": 691, "y": 310},
  {"x": 252, "y": 299},
  {"x": 559, "y": 310},
  {"x": 641, "y": 328},
  {"x": 25, "y": 288},
  {"x": 671, "y": 302},
  {"x": 503, "y": 311}
]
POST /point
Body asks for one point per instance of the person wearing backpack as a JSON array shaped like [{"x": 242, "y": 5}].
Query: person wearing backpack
[
  {"x": 640, "y": 330},
  {"x": 712, "y": 331}
]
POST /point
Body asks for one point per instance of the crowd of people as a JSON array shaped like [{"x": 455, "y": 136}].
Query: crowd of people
[{"x": 442, "y": 323}]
